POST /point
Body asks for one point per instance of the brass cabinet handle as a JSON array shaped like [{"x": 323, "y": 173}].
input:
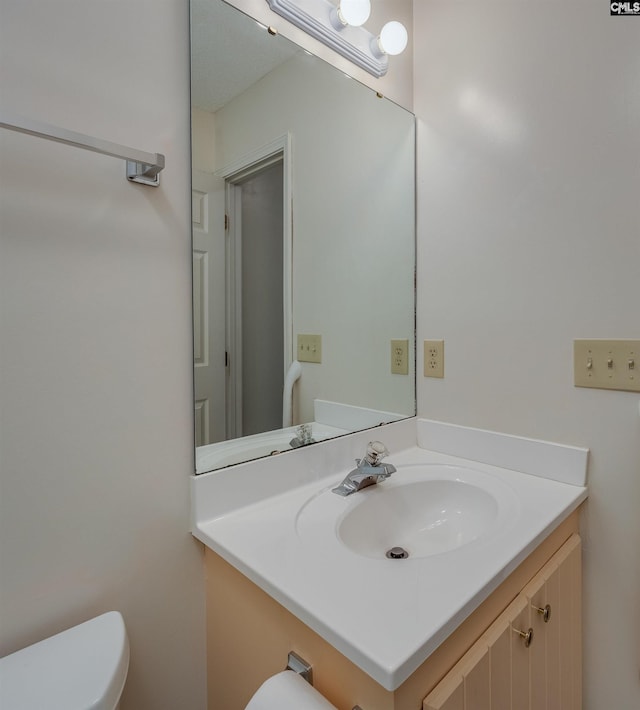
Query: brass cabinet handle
[
  {"x": 545, "y": 611},
  {"x": 526, "y": 635}
]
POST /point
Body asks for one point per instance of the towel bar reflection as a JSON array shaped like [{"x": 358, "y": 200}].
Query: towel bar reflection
[{"x": 142, "y": 167}]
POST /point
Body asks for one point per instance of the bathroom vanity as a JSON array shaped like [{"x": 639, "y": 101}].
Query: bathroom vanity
[{"x": 462, "y": 618}]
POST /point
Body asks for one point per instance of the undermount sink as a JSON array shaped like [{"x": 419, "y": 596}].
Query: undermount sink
[{"x": 422, "y": 510}]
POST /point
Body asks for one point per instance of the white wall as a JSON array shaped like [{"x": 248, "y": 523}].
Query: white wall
[
  {"x": 95, "y": 341},
  {"x": 202, "y": 132},
  {"x": 528, "y": 238}
]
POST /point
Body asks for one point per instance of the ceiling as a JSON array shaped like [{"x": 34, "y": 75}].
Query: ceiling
[{"x": 229, "y": 53}]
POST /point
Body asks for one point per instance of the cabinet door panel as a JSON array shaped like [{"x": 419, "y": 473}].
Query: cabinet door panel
[
  {"x": 552, "y": 631},
  {"x": 477, "y": 680},
  {"x": 537, "y": 593},
  {"x": 576, "y": 622},
  {"x": 500, "y": 671},
  {"x": 520, "y": 659},
  {"x": 447, "y": 695},
  {"x": 556, "y": 654},
  {"x": 455, "y": 700},
  {"x": 570, "y": 641},
  {"x": 538, "y": 659}
]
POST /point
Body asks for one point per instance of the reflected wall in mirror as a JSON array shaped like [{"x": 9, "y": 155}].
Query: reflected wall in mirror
[{"x": 303, "y": 224}]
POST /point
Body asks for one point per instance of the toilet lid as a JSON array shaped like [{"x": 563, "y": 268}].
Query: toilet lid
[{"x": 83, "y": 668}]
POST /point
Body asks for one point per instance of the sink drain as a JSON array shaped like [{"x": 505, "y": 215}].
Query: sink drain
[{"x": 397, "y": 553}]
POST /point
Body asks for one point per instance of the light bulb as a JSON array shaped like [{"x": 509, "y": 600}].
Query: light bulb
[
  {"x": 393, "y": 38},
  {"x": 355, "y": 12},
  {"x": 351, "y": 12}
]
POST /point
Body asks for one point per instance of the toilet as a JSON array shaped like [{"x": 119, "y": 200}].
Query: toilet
[{"x": 83, "y": 668}]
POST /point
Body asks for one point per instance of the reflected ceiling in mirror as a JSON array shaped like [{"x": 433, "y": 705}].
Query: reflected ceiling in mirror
[{"x": 304, "y": 245}]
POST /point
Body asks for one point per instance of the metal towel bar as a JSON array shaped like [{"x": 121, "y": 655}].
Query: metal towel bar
[{"x": 142, "y": 167}]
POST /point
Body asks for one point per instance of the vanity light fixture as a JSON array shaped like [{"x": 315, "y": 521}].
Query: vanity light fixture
[{"x": 339, "y": 27}]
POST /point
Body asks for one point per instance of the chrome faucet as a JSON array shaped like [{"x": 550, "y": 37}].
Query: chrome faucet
[
  {"x": 304, "y": 436},
  {"x": 369, "y": 470}
]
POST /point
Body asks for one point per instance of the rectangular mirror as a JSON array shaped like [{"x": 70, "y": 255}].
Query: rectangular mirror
[{"x": 303, "y": 189}]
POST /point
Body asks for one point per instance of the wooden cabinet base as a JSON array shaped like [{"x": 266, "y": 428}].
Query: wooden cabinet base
[{"x": 249, "y": 635}]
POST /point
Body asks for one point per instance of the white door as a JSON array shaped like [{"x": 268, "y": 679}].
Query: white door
[{"x": 208, "y": 209}]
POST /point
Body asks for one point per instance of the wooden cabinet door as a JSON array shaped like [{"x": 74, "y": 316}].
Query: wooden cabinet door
[
  {"x": 499, "y": 639},
  {"x": 521, "y": 658},
  {"x": 541, "y": 668},
  {"x": 554, "y": 597},
  {"x": 503, "y": 672},
  {"x": 570, "y": 613},
  {"x": 486, "y": 676}
]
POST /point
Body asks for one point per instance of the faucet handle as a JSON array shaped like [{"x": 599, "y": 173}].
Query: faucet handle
[{"x": 376, "y": 451}]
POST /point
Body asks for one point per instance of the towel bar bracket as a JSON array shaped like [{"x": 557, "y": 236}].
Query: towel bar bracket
[
  {"x": 300, "y": 666},
  {"x": 297, "y": 664},
  {"x": 143, "y": 173}
]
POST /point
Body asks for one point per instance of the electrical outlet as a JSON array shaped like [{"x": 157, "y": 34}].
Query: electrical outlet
[
  {"x": 434, "y": 358},
  {"x": 399, "y": 357},
  {"x": 607, "y": 364},
  {"x": 309, "y": 348}
]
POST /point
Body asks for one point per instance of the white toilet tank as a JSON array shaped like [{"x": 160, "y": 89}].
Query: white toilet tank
[{"x": 83, "y": 668}]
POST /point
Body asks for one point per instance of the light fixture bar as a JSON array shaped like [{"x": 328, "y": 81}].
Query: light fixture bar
[{"x": 314, "y": 17}]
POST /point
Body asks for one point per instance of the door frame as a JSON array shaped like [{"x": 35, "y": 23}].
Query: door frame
[{"x": 256, "y": 160}]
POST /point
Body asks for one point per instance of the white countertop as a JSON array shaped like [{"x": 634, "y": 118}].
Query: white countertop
[{"x": 388, "y": 616}]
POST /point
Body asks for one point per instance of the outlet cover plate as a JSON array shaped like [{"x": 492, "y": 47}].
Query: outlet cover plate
[
  {"x": 434, "y": 358},
  {"x": 400, "y": 357}
]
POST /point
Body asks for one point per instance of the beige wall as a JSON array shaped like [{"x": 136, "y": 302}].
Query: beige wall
[
  {"x": 528, "y": 238},
  {"x": 95, "y": 341}
]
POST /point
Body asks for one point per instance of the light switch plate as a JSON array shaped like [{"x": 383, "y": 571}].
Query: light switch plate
[
  {"x": 607, "y": 364},
  {"x": 309, "y": 348}
]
